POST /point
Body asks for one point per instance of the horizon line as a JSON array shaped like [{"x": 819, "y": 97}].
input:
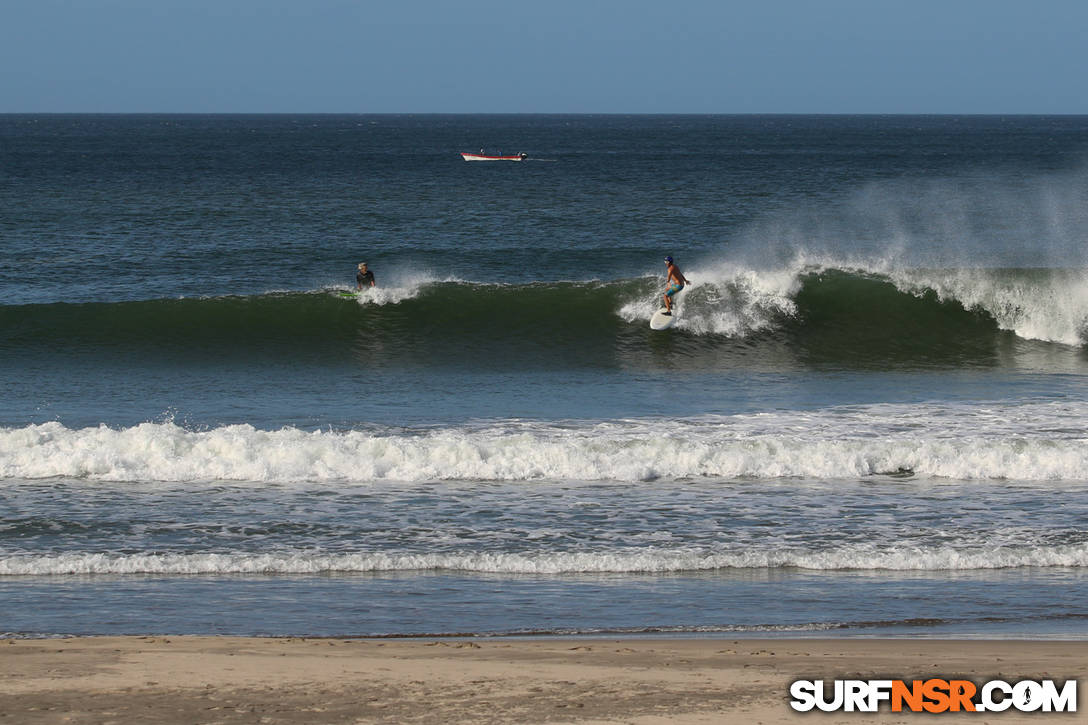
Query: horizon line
[{"x": 545, "y": 113}]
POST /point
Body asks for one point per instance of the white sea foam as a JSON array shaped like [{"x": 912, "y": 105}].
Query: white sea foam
[
  {"x": 650, "y": 560},
  {"x": 731, "y": 299},
  {"x": 726, "y": 300},
  {"x": 395, "y": 288},
  {"x": 959, "y": 237},
  {"x": 1051, "y": 305},
  {"x": 1032, "y": 442}
]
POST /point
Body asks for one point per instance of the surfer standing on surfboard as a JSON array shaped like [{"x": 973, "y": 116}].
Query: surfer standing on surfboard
[
  {"x": 363, "y": 277},
  {"x": 676, "y": 280}
]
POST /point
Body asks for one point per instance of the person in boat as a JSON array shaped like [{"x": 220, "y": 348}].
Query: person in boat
[
  {"x": 676, "y": 280},
  {"x": 364, "y": 277}
]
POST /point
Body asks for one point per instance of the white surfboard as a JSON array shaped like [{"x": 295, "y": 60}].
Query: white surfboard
[{"x": 661, "y": 321}]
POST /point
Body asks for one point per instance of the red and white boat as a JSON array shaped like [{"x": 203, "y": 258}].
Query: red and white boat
[{"x": 487, "y": 157}]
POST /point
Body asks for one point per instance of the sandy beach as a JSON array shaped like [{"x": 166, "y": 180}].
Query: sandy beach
[{"x": 642, "y": 681}]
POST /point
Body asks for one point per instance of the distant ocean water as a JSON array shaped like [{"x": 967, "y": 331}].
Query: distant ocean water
[{"x": 870, "y": 417}]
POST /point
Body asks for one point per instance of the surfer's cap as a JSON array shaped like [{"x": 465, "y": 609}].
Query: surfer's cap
[
  {"x": 362, "y": 264},
  {"x": 668, "y": 259}
]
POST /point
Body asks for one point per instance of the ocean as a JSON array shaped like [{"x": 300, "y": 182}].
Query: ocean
[{"x": 870, "y": 419}]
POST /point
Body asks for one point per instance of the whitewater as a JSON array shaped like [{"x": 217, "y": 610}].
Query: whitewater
[
  {"x": 869, "y": 419},
  {"x": 1031, "y": 442}
]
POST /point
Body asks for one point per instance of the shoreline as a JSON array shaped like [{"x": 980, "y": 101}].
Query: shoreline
[
  {"x": 521, "y": 637},
  {"x": 645, "y": 681}
]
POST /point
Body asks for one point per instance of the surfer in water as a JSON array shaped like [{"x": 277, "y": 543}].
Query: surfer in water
[
  {"x": 364, "y": 277},
  {"x": 676, "y": 280}
]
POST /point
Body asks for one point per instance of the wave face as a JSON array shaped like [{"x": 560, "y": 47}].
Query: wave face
[
  {"x": 871, "y": 412},
  {"x": 814, "y": 313},
  {"x": 1028, "y": 443}
]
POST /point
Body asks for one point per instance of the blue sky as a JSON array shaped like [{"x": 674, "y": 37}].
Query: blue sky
[{"x": 548, "y": 56}]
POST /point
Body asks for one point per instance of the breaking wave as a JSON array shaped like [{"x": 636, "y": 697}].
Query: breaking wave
[
  {"x": 829, "y": 313},
  {"x": 657, "y": 561},
  {"x": 1036, "y": 442}
]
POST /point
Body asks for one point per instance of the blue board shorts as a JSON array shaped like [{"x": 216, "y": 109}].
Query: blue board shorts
[{"x": 674, "y": 289}]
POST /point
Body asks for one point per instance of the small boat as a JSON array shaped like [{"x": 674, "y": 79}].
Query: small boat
[{"x": 486, "y": 157}]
